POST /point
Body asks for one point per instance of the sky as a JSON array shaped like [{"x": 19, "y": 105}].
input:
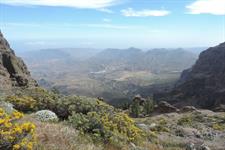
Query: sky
[{"x": 39, "y": 24}]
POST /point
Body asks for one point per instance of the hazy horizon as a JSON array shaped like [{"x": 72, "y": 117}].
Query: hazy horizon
[{"x": 112, "y": 23}]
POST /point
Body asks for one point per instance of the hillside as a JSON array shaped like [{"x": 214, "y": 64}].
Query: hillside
[
  {"x": 203, "y": 85},
  {"x": 13, "y": 71}
]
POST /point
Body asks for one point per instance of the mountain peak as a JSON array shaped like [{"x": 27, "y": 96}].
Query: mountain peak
[
  {"x": 13, "y": 71},
  {"x": 4, "y": 45},
  {"x": 222, "y": 44}
]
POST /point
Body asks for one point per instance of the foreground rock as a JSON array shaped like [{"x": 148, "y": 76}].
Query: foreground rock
[
  {"x": 13, "y": 71},
  {"x": 192, "y": 130},
  {"x": 8, "y": 107}
]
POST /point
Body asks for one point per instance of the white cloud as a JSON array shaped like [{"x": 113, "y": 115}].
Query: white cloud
[
  {"x": 94, "y": 4},
  {"x": 215, "y": 7},
  {"x": 106, "y": 10},
  {"x": 130, "y": 12}
]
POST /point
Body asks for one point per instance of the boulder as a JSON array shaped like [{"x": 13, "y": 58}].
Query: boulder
[
  {"x": 188, "y": 132},
  {"x": 8, "y": 107},
  {"x": 143, "y": 126},
  {"x": 165, "y": 107},
  {"x": 220, "y": 108},
  {"x": 188, "y": 109}
]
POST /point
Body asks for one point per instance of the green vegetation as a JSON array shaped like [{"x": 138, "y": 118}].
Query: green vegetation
[
  {"x": 220, "y": 124},
  {"x": 140, "y": 107},
  {"x": 22, "y": 103},
  {"x": 90, "y": 124},
  {"x": 186, "y": 120},
  {"x": 135, "y": 109},
  {"x": 117, "y": 128},
  {"x": 90, "y": 116}
]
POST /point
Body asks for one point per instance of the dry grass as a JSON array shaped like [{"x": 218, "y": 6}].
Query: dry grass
[{"x": 56, "y": 136}]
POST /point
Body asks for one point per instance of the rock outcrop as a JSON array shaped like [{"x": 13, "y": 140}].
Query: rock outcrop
[
  {"x": 13, "y": 71},
  {"x": 165, "y": 107},
  {"x": 203, "y": 85}
]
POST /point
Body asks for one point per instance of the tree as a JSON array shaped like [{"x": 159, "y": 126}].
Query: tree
[
  {"x": 135, "y": 109},
  {"x": 148, "y": 106}
]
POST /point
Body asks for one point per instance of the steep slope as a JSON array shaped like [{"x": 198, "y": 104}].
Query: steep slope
[
  {"x": 13, "y": 71},
  {"x": 203, "y": 85}
]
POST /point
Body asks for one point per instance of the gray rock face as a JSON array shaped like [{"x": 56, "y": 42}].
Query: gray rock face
[
  {"x": 13, "y": 71},
  {"x": 203, "y": 85},
  {"x": 165, "y": 107},
  {"x": 8, "y": 107},
  {"x": 188, "y": 109}
]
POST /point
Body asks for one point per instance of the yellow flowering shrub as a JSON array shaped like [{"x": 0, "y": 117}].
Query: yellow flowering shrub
[
  {"x": 121, "y": 124},
  {"x": 22, "y": 103},
  {"x": 116, "y": 128},
  {"x": 14, "y": 135}
]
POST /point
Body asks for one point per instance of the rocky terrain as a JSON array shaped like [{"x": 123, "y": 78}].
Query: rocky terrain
[
  {"x": 13, "y": 71},
  {"x": 203, "y": 85},
  {"x": 188, "y": 130}
]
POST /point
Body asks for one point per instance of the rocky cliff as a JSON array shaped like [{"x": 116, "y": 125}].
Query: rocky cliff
[
  {"x": 13, "y": 71},
  {"x": 203, "y": 85}
]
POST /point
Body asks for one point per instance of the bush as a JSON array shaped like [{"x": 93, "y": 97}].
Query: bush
[
  {"x": 16, "y": 136},
  {"x": 121, "y": 125},
  {"x": 80, "y": 104},
  {"x": 186, "y": 120},
  {"x": 217, "y": 126},
  {"x": 114, "y": 128},
  {"x": 46, "y": 116},
  {"x": 148, "y": 106},
  {"x": 44, "y": 99},
  {"x": 135, "y": 109},
  {"x": 22, "y": 103},
  {"x": 138, "y": 108},
  {"x": 39, "y": 99},
  {"x": 35, "y": 99}
]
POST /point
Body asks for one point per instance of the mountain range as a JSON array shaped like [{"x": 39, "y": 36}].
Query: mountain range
[{"x": 114, "y": 74}]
